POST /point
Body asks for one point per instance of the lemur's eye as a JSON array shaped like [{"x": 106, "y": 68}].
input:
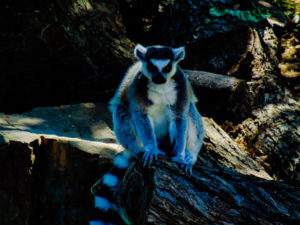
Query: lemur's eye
[
  {"x": 151, "y": 68},
  {"x": 168, "y": 68}
]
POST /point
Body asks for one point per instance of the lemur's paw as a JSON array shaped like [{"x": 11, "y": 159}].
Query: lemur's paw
[
  {"x": 185, "y": 163},
  {"x": 179, "y": 159},
  {"x": 149, "y": 155},
  {"x": 187, "y": 168}
]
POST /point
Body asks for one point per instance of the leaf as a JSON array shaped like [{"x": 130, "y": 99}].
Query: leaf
[
  {"x": 216, "y": 12},
  {"x": 296, "y": 18}
]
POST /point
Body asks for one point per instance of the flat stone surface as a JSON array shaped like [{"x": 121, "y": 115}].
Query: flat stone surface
[{"x": 86, "y": 126}]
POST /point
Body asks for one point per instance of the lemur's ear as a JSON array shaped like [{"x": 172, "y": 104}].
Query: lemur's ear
[
  {"x": 140, "y": 52},
  {"x": 179, "y": 53}
]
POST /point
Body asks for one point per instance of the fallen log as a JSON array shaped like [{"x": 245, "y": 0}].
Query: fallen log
[
  {"x": 273, "y": 136},
  {"x": 227, "y": 186},
  {"x": 220, "y": 151},
  {"x": 213, "y": 81},
  {"x": 163, "y": 194},
  {"x": 222, "y": 95}
]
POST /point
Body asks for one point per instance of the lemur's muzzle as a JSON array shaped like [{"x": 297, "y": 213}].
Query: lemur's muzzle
[{"x": 158, "y": 78}]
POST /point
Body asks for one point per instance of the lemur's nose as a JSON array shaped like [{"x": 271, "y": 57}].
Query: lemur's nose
[{"x": 158, "y": 78}]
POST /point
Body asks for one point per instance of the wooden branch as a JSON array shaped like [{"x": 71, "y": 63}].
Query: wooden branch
[
  {"x": 213, "y": 81},
  {"x": 272, "y": 135},
  {"x": 223, "y": 95},
  {"x": 219, "y": 150},
  {"x": 164, "y": 194},
  {"x": 227, "y": 186}
]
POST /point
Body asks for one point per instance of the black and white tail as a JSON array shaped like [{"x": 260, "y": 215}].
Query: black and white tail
[{"x": 106, "y": 209}]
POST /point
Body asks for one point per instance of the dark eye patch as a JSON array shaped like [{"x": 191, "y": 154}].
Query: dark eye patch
[
  {"x": 167, "y": 68},
  {"x": 151, "y": 68}
]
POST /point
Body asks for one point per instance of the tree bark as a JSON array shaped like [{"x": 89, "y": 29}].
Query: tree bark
[
  {"x": 220, "y": 96},
  {"x": 273, "y": 137},
  {"x": 165, "y": 195},
  {"x": 226, "y": 187}
]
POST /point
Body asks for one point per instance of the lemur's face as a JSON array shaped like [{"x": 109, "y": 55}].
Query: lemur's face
[{"x": 159, "y": 62}]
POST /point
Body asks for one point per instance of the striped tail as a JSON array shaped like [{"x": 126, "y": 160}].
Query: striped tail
[{"x": 106, "y": 210}]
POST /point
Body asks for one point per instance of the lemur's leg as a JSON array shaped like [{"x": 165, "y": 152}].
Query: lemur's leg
[
  {"x": 125, "y": 130},
  {"x": 187, "y": 136},
  {"x": 178, "y": 132},
  {"x": 195, "y": 136},
  {"x": 146, "y": 135}
]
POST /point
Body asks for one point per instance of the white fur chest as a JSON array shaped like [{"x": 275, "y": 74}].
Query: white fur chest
[{"x": 163, "y": 94}]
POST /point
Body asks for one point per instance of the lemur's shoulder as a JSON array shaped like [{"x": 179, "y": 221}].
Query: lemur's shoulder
[
  {"x": 133, "y": 88},
  {"x": 121, "y": 95},
  {"x": 184, "y": 86},
  {"x": 191, "y": 93}
]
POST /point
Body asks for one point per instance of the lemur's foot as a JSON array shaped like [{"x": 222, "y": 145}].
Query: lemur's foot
[
  {"x": 178, "y": 159},
  {"x": 185, "y": 163},
  {"x": 187, "y": 168},
  {"x": 149, "y": 155}
]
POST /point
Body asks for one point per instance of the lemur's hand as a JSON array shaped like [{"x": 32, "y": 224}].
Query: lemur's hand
[
  {"x": 150, "y": 154},
  {"x": 186, "y": 163}
]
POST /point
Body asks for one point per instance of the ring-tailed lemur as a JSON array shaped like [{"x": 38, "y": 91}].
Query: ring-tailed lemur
[{"x": 153, "y": 112}]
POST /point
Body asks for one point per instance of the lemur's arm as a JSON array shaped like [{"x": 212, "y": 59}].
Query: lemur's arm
[
  {"x": 179, "y": 126},
  {"x": 144, "y": 129},
  {"x": 146, "y": 135},
  {"x": 145, "y": 132},
  {"x": 178, "y": 132}
]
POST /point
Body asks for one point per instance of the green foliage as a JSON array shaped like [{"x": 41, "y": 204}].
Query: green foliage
[
  {"x": 291, "y": 8},
  {"x": 297, "y": 17},
  {"x": 255, "y": 16}
]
